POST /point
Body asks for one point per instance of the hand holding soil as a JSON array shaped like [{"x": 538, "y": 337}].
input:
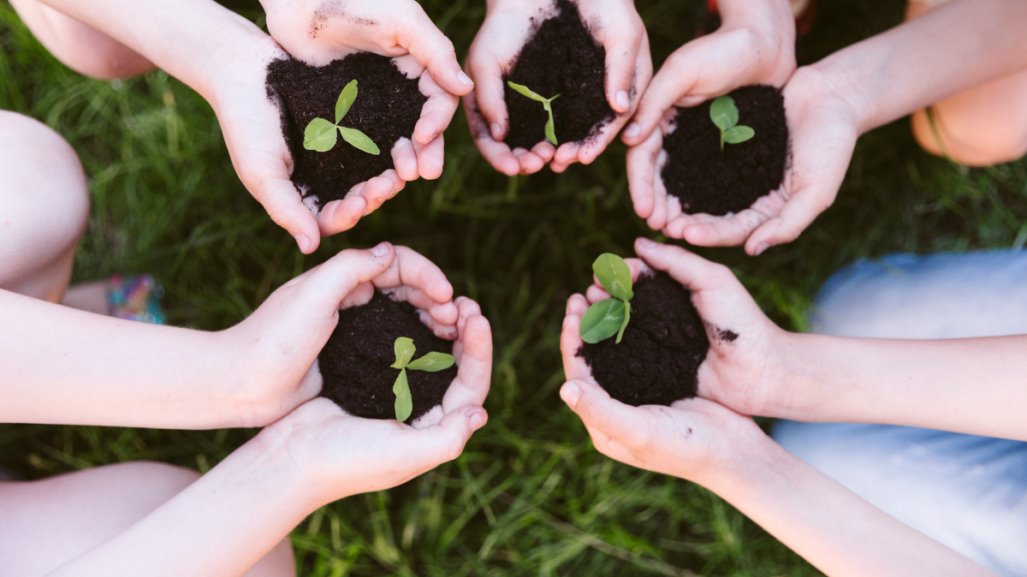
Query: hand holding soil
[
  {"x": 597, "y": 61},
  {"x": 320, "y": 31}
]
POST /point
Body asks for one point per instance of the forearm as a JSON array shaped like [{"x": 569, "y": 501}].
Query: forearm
[
  {"x": 974, "y": 386},
  {"x": 192, "y": 40},
  {"x": 825, "y": 523},
  {"x": 66, "y": 366},
  {"x": 222, "y": 524},
  {"x": 952, "y": 48}
]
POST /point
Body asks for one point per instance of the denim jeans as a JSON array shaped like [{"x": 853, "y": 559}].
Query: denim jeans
[{"x": 966, "y": 491}]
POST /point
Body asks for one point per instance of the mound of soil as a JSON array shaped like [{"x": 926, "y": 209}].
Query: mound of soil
[
  {"x": 657, "y": 361},
  {"x": 355, "y": 363},
  {"x": 387, "y": 108},
  {"x": 708, "y": 180},
  {"x": 561, "y": 57}
]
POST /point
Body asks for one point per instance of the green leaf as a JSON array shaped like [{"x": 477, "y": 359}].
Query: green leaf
[
  {"x": 614, "y": 276},
  {"x": 432, "y": 362},
  {"x": 738, "y": 134},
  {"x": 551, "y": 129},
  {"x": 724, "y": 113},
  {"x": 359, "y": 140},
  {"x": 404, "y": 401},
  {"x": 525, "y": 91},
  {"x": 624, "y": 324},
  {"x": 346, "y": 99},
  {"x": 319, "y": 135},
  {"x": 404, "y": 349},
  {"x": 602, "y": 320}
]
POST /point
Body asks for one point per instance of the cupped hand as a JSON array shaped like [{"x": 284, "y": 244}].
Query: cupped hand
[
  {"x": 421, "y": 156},
  {"x": 277, "y": 346},
  {"x": 342, "y": 455},
  {"x": 823, "y": 127}
]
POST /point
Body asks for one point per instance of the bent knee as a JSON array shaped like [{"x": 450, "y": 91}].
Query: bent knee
[{"x": 44, "y": 200}]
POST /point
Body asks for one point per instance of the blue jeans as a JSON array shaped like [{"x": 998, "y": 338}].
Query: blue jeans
[{"x": 965, "y": 491}]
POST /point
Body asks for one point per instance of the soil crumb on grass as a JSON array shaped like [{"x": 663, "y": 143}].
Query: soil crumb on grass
[
  {"x": 356, "y": 360},
  {"x": 387, "y": 108},
  {"x": 657, "y": 361},
  {"x": 708, "y": 180},
  {"x": 561, "y": 57}
]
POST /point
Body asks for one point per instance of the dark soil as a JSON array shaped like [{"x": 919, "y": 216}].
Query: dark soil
[
  {"x": 356, "y": 360},
  {"x": 710, "y": 181},
  {"x": 657, "y": 361},
  {"x": 561, "y": 57},
  {"x": 387, "y": 108}
]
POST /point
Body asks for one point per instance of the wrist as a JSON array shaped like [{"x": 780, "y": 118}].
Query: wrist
[
  {"x": 797, "y": 388},
  {"x": 229, "y": 60},
  {"x": 751, "y": 453},
  {"x": 832, "y": 78}
]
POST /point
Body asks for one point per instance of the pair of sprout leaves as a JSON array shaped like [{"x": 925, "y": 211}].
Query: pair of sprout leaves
[
  {"x": 432, "y": 362},
  {"x": 321, "y": 135},
  {"x": 609, "y": 317}
]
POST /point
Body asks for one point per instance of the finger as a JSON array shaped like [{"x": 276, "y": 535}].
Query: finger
[
  {"x": 641, "y": 165},
  {"x": 441, "y": 313},
  {"x": 474, "y": 354},
  {"x": 489, "y": 96},
  {"x": 427, "y": 448},
  {"x": 574, "y": 367},
  {"x": 497, "y": 154},
  {"x": 431, "y": 158},
  {"x": 691, "y": 270},
  {"x": 528, "y": 161},
  {"x": 437, "y": 112},
  {"x": 433, "y": 50},
  {"x": 623, "y": 424},
  {"x": 567, "y": 153},
  {"x": 544, "y": 150},
  {"x": 411, "y": 269},
  {"x": 329, "y": 284},
  {"x": 797, "y": 214},
  {"x": 340, "y": 215},
  {"x": 725, "y": 231},
  {"x": 669, "y": 84},
  {"x": 284, "y": 205},
  {"x": 404, "y": 159},
  {"x": 621, "y": 56}
]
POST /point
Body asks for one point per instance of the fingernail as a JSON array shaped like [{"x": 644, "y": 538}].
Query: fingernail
[
  {"x": 632, "y": 131},
  {"x": 304, "y": 243},
  {"x": 570, "y": 393},
  {"x": 646, "y": 244},
  {"x": 760, "y": 248},
  {"x": 465, "y": 79},
  {"x": 381, "y": 249},
  {"x": 622, "y": 100},
  {"x": 476, "y": 419},
  {"x": 497, "y": 131}
]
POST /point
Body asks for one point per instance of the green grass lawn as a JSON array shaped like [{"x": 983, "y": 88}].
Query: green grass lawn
[{"x": 529, "y": 496}]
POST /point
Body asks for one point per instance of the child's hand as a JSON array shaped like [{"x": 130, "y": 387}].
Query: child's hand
[
  {"x": 342, "y": 455},
  {"x": 740, "y": 370},
  {"x": 318, "y": 32},
  {"x": 507, "y": 26},
  {"x": 277, "y": 346}
]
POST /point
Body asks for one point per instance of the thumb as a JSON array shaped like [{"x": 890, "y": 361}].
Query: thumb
[
  {"x": 620, "y": 66},
  {"x": 430, "y": 447},
  {"x": 622, "y": 423},
  {"x": 674, "y": 79},
  {"x": 430, "y": 47},
  {"x": 325, "y": 287},
  {"x": 284, "y": 205},
  {"x": 797, "y": 214}
]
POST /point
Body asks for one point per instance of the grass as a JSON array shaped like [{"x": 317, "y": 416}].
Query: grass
[{"x": 530, "y": 496}]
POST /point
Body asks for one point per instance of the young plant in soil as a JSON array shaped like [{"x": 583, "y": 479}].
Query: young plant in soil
[
  {"x": 724, "y": 115},
  {"x": 357, "y": 364},
  {"x": 321, "y": 135},
  {"x": 432, "y": 362},
  {"x": 610, "y": 316},
  {"x": 657, "y": 361},
  {"x": 709, "y": 177},
  {"x": 561, "y": 56},
  {"x": 547, "y": 105}
]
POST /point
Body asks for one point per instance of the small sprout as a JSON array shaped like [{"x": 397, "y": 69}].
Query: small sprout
[
  {"x": 547, "y": 104},
  {"x": 610, "y": 316},
  {"x": 724, "y": 115},
  {"x": 321, "y": 135},
  {"x": 430, "y": 363}
]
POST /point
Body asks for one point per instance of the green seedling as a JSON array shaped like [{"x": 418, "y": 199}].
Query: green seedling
[
  {"x": 430, "y": 363},
  {"x": 724, "y": 115},
  {"x": 547, "y": 104},
  {"x": 610, "y": 316},
  {"x": 321, "y": 135}
]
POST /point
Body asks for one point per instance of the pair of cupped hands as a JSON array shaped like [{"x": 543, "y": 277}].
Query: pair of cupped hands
[
  {"x": 754, "y": 45},
  {"x": 341, "y": 455}
]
